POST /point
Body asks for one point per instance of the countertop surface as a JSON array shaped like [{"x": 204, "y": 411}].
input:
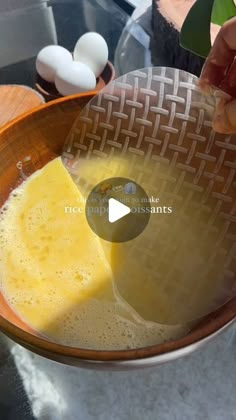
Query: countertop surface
[
  {"x": 37, "y": 23},
  {"x": 198, "y": 387}
]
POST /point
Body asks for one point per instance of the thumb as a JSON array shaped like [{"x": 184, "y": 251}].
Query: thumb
[{"x": 225, "y": 118}]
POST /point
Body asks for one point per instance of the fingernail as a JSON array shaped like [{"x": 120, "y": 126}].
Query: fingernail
[
  {"x": 221, "y": 124},
  {"x": 204, "y": 84}
]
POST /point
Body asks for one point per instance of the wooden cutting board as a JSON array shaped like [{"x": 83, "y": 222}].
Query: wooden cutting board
[{"x": 15, "y": 100}]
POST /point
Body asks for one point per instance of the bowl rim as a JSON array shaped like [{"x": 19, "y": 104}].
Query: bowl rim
[{"x": 213, "y": 323}]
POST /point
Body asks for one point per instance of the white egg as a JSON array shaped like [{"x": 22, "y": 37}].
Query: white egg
[
  {"x": 49, "y": 59},
  {"x": 91, "y": 49},
  {"x": 74, "y": 78}
]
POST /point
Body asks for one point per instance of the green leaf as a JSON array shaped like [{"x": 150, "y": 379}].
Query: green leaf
[
  {"x": 195, "y": 32},
  {"x": 222, "y": 11}
]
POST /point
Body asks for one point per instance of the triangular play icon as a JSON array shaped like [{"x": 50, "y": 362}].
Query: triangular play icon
[{"x": 117, "y": 210}]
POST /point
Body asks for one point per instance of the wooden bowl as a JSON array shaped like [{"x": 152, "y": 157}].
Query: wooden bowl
[
  {"x": 40, "y": 134},
  {"x": 50, "y": 93}
]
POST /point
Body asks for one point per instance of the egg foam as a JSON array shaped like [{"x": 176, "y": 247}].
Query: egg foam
[{"x": 56, "y": 274}]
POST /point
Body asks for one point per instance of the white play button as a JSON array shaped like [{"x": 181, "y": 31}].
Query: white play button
[{"x": 117, "y": 210}]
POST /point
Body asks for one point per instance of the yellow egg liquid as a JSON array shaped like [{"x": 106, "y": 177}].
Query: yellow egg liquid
[{"x": 58, "y": 276}]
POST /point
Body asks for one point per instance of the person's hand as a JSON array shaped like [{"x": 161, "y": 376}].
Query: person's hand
[{"x": 219, "y": 72}]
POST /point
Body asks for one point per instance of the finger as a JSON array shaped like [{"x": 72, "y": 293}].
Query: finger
[
  {"x": 225, "y": 118},
  {"x": 221, "y": 56},
  {"x": 228, "y": 84}
]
